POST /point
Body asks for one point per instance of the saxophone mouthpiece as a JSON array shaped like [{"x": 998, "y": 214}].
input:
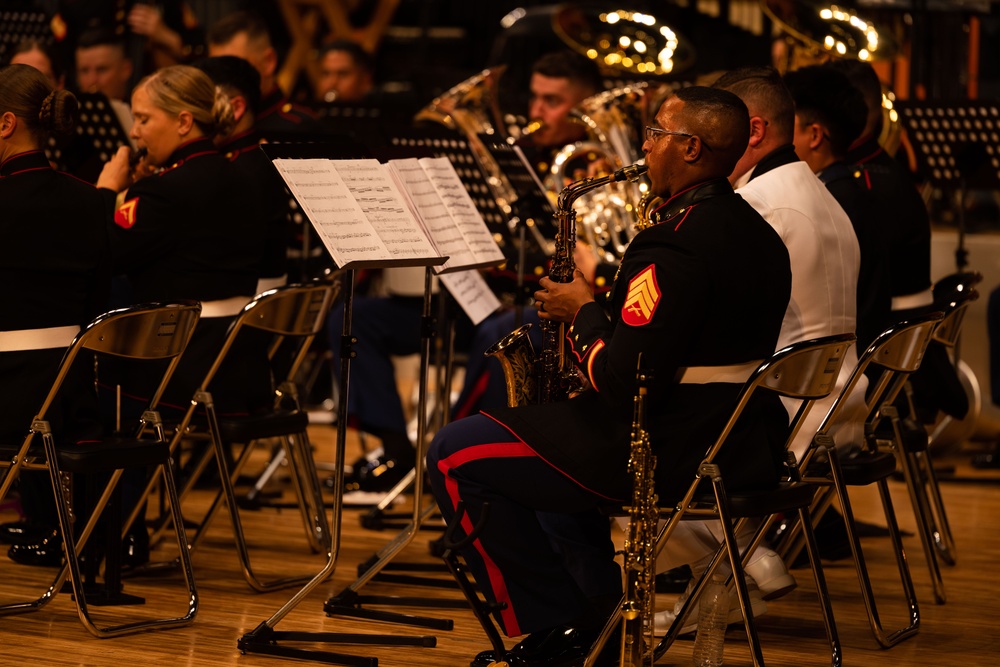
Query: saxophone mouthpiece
[{"x": 630, "y": 173}]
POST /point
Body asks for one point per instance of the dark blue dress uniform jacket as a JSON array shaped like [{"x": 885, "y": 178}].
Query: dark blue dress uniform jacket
[
  {"x": 54, "y": 266},
  {"x": 707, "y": 286}
]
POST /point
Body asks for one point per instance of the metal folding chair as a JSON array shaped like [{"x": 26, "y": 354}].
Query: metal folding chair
[
  {"x": 139, "y": 333},
  {"x": 292, "y": 315},
  {"x": 806, "y": 371},
  {"x": 914, "y": 453},
  {"x": 888, "y": 361}
]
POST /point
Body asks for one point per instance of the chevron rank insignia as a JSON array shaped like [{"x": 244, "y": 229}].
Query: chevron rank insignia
[
  {"x": 643, "y": 297},
  {"x": 125, "y": 214}
]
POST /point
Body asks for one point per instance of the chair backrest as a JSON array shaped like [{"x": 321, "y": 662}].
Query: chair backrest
[
  {"x": 898, "y": 351},
  {"x": 144, "y": 332},
  {"x": 292, "y": 311},
  {"x": 807, "y": 370},
  {"x": 954, "y": 309}
]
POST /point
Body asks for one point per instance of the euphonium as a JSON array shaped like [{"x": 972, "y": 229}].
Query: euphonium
[
  {"x": 552, "y": 376},
  {"x": 640, "y": 543}
]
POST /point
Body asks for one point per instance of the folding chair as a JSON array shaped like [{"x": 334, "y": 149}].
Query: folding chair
[
  {"x": 888, "y": 361},
  {"x": 139, "y": 333},
  {"x": 914, "y": 455},
  {"x": 806, "y": 371},
  {"x": 294, "y": 314}
]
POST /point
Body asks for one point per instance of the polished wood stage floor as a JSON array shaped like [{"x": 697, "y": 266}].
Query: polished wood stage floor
[{"x": 961, "y": 632}]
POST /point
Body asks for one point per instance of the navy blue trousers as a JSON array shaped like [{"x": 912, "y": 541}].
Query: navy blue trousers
[{"x": 545, "y": 549}]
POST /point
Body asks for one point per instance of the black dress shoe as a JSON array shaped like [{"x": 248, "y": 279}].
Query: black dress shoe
[
  {"x": 561, "y": 646},
  {"x": 47, "y": 552},
  {"x": 23, "y": 532}
]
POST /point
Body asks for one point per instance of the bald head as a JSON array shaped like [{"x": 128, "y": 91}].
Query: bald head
[
  {"x": 698, "y": 135},
  {"x": 721, "y": 119}
]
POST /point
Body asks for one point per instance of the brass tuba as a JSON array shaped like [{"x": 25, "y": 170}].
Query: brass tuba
[{"x": 552, "y": 376}]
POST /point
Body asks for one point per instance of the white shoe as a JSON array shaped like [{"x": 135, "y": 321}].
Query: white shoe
[
  {"x": 769, "y": 571},
  {"x": 664, "y": 619}
]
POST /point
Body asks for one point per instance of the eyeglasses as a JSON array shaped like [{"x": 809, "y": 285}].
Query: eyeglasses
[{"x": 653, "y": 132}]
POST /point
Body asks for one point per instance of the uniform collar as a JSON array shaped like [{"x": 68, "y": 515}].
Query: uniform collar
[
  {"x": 241, "y": 143},
  {"x": 28, "y": 161},
  {"x": 836, "y": 172},
  {"x": 683, "y": 200},
  {"x": 779, "y": 157},
  {"x": 272, "y": 102},
  {"x": 192, "y": 149},
  {"x": 864, "y": 150}
]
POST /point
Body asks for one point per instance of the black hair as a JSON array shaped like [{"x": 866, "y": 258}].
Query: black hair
[
  {"x": 825, "y": 96},
  {"x": 230, "y": 25},
  {"x": 361, "y": 58},
  {"x": 764, "y": 92},
  {"x": 570, "y": 65},
  {"x": 235, "y": 76}
]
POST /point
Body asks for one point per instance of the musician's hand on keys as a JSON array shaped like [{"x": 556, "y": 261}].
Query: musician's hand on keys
[
  {"x": 116, "y": 173},
  {"x": 561, "y": 301}
]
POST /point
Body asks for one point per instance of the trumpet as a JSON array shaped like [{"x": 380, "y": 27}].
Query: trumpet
[{"x": 552, "y": 376}]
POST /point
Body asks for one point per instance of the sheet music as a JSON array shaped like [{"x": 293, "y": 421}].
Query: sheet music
[
  {"x": 337, "y": 217},
  {"x": 471, "y": 292},
  {"x": 431, "y": 211},
  {"x": 357, "y": 211},
  {"x": 384, "y": 207},
  {"x": 456, "y": 199}
]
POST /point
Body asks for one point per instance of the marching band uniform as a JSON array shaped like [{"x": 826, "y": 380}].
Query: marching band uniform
[
  {"x": 874, "y": 300},
  {"x": 710, "y": 268},
  {"x": 244, "y": 152},
  {"x": 55, "y": 261},
  {"x": 904, "y": 212},
  {"x": 192, "y": 231}
]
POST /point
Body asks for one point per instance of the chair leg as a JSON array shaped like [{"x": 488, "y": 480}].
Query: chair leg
[
  {"x": 308, "y": 491},
  {"x": 739, "y": 577},
  {"x": 944, "y": 540},
  {"x": 812, "y": 549},
  {"x": 884, "y": 638},
  {"x": 922, "y": 513}
]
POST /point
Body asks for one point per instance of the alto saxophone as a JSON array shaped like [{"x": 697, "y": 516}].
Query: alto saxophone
[
  {"x": 551, "y": 376},
  {"x": 640, "y": 542}
]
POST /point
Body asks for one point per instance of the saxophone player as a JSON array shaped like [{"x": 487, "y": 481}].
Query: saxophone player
[{"x": 705, "y": 287}]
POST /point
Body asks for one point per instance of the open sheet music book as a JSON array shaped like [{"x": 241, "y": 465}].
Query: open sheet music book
[
  {"x": 358, "y": 212},
  {"x": 408, "y": 212},
  {"x": 438, "y": 198}
]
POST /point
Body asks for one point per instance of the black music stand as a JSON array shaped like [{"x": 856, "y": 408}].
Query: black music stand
[
  {"x": 264, "y": 638},
  {"x": 958, "y": 146},
  {"x": 99, "y": 134},
  {"x": 349, "y": 601},
  {"x": 20, "y": 21}
]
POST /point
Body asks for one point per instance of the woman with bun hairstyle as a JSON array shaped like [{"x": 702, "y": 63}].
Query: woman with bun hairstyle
[
  {"x": 185, "y": 226},
  {"x": 55, "y": 272}
]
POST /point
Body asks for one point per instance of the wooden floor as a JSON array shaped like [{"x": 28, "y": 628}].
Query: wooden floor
[{"x": 962, "y": 632}]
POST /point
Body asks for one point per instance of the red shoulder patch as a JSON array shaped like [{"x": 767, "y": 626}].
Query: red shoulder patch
[
  {"x": 126, "y": 213},
  {"x": 642, "y": 299}
]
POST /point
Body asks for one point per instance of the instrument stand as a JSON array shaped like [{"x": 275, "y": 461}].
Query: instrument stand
[
  {"x": 264, "y": 638},
  {"x": 349, "y": 601}
]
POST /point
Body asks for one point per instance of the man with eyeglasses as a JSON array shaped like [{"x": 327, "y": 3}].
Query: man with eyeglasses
[
  {"x": 702, "y": 291},
  {"x": 825, "y": 261}
]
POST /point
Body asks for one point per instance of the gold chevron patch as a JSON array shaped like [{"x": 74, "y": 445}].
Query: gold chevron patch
[
  {"x": 643, "y": 297},
  {"x": 125, "y": 214}
]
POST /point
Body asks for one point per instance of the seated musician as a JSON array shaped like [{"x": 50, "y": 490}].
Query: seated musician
[
  {"x": 710, "y": 262},
  {"x": 55, "y": 261},
  {"x": 560, "y": 81}
]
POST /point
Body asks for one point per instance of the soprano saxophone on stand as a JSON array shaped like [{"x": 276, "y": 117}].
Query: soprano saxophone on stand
[
  {"x": 640, "y": 542},
  {"x": 552, "y": 376}
]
